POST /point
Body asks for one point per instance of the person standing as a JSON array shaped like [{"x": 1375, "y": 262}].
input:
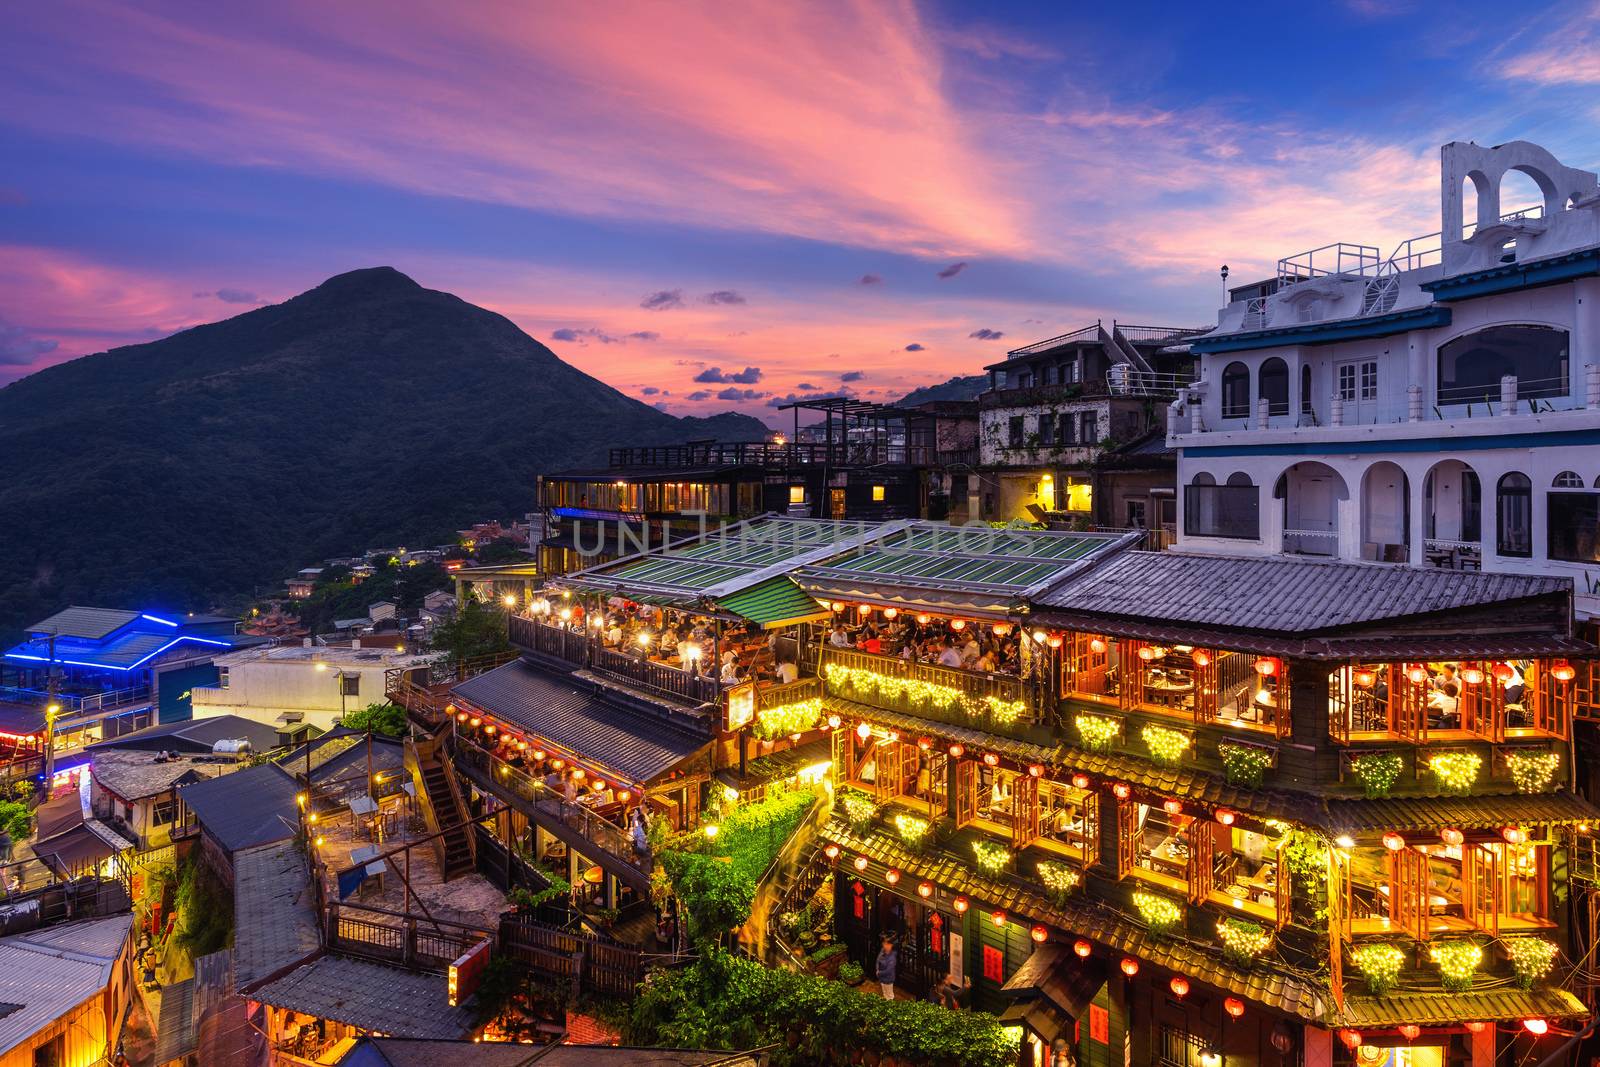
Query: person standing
[{"x": 888, "y": 962}]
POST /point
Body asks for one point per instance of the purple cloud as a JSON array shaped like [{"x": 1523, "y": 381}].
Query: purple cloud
[
  {"x": 584, "y": 336},
  {"x": 740, "y": 394},
  {"x": 871, "y": 279},
  {"x": 724, "y": 296},
  {"x": 700, "y": 394},
  {"x": 986, "y": 334},
  {"x": 852, "y": 375},
  {"x": 231, "y": 296},
  {"x": 663, "y": 300},
  {"x": 650, "y": 390},
  {"x": 914, "y": 347},
  {"x": 644, "y": 335},
  {"x": 748, "y": 376},
  {"x": 19, "y": 347},
  {"x": 779, "y": 401},
  {"x": 953, "y": 269},
  {"x": 806, "y": 387}
]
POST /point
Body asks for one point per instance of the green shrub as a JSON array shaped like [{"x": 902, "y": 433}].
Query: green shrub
[
  {"x": 16, "y": 819},
  {"x": 387, "y": 719}
]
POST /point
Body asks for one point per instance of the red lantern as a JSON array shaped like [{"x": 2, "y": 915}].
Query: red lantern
[
  {"x": 998, "y": 917},
  {"x": 1225, "y": 816},
  {"x": 1472, "y": 676},
  {"x": 1562, "y": 672},
  {"x": 892, "y": 875},
  {"x": 1080, "y": 781},
  {"x": 1122, "y": 790},
  {"x": 957, "y": 750},
  {"x": 1410, "y": 1031},
  {"x": 1130, "y": 966},
  {"x": 1418, "y": 674},
  {"x": 1147, "y": 653},
  {"x": 1477, "y": 1026},
  {"x": 1097, "y": 645},
  {"x": 1179, "y": 985},
  {"x": 1034, "y": 770},
  {"x": 538, "y": 755},
  {"x": 863, "y": 731},
  {"x": 1082, "y": 948},
  {"x": 958, "y": 625},
  {"x": 1514, "y": 835},
  {"x": 1054, "y": 640},
  {"x": 832, "y": 852},
  {"x": 865, "y": 609},
  {"x": 1351, "y": 1039},
  {"x": 833, "y": 722},
  {"x": 990, "y": 759},
  {"x": 960, "y": 904},
  {"x": 1266, "y": 666},
  {"x": 925, "y": 890},
  {"x": 925, "y": 743},
  {"x": 1452, "y": 836},
  {"x": 1536, "y": 1027},
  {"x": 861, "y": 863},
  {"x": 1001, "y": 629},
  {"x": 1393, "y": 841},
  {"x": 1365, "y": 678},
  {"x": 1504, "y": 672},
  {"x": 1172, "y": 807},
  {"x": 1201, "y": 658},
  {"x": 1233, "y": 1006},
  {"x": 1039, "y": 934},
  {"x": 923, "y": 620}
]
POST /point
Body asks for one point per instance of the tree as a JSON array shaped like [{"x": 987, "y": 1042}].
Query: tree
[
  {"x": 386, "y": 718},
  {"x": 501, "y": 550},
  {"x": 479, "y": 630}
]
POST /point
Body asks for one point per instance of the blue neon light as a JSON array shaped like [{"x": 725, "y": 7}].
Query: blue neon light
[
  {"x": 157, "y": 618},
  {"x": 113, "y": 666}
]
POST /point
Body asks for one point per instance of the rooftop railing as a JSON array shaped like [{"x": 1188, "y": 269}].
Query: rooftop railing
[
  {"x": 764, "y": 454},
  {"x": 581, "y": 650}
]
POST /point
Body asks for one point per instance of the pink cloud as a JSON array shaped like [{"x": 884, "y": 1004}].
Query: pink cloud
[
  {"x": 1567, "y": 55},
  {"x": 820, "y": 120}
]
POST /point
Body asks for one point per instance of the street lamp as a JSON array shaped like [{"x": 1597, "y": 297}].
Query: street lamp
[{"x": 50, "y": 712}]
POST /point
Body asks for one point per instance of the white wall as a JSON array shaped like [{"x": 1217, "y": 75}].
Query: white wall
[{"x": 263, "y": 690}]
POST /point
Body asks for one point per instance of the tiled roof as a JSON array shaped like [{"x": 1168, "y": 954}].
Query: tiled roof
[
  {"x": 275, "y": 919},
  {"x": 196, "y": 735},
  {"x": 89, "y": 623},
  {"x": 1277, "y": 595},
  {"x": 1433, "y": 1009},
  {"x": 369, "y": 996},
  {"x": 1096, "y": 922},
  {"x": 551, "y": 708},
  {"x": 1463, "y": 813}
]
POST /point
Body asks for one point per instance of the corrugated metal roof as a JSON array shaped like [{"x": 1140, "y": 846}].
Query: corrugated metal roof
[
  {"x": 49, "y": 972},
  {"x": 1443, "y": 1009},
  {"x": 1278, "y": 595},
  {"x": 369, "y": 996},
  {"x": 89, "y": 623},
  {"x": 247, "y": 808},
  {"x": 775, "y": 602},
  {"x": 275, "y": 918},
  {"x": 196, "y": 735},
  {"x": 553, "y": 709}
]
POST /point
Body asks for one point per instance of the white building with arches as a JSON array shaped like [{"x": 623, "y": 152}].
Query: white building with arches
[{"x": 1438, "y": 406}]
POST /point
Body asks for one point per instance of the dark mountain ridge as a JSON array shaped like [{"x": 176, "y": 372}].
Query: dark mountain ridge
[{"x": 215, "y": 461}]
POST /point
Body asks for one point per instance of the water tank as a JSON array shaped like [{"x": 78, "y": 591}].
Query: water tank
[{"x": 231, "y": 746}]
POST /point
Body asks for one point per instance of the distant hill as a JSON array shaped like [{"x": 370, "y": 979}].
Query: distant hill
[
  {"x": 368, "y": 410},
  {"x": 958, "y": 388}
]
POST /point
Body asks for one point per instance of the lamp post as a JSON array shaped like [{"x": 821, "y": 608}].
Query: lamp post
[
  {"x": 50, "y": 712},
  {"x": 1224, "y": 283}
]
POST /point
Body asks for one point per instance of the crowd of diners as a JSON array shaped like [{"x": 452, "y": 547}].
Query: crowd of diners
[
  {"x": 1444, "y": 683},
  {"x": 992, "y": 648}
]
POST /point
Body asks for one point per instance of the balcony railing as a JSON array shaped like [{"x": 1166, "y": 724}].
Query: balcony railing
[
  {"x": 993, "y": 701},
  {"x": 581, "y": 650},
  {"x": 78, "y": 703},
  {"x": 1311, "y": 542},
  {"x": 396, "y": 938},
  {"x": 762, "y": 454},
  {"x": 504, "y": 780},
  {"x": 1452, "y": 555}
]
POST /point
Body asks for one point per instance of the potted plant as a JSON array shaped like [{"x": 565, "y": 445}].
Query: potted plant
[{"x": 851, "y": 973}]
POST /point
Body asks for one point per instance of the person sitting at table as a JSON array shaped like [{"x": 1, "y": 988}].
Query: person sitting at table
[
  {"x": 1516, "y": 685},
  {"x": 613, "y": 637},
  {"x": 839, "y": 638},
  {"x": 730, "y": 669},
  {"x": 788, "y": 671},
  {"x": 1446, "y": 681},
  {"x": 971, "y": 650},
  {"x": 870, "y": 642},
  {"x": 948, "y": 655},
  {"x": 986, "y": 663}
]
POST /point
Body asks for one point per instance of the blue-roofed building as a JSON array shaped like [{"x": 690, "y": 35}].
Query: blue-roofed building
[{"x": 114, "y": 670}]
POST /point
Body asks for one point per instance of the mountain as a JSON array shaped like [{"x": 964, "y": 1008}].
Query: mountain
[
  {"x": 218, "y": 460},
  {"x": 958, "y": 388}
]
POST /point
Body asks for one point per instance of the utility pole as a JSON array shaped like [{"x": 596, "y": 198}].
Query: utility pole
[{"x": 52, "y": 708}]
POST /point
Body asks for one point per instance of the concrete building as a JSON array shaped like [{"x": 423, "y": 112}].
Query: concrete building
[
  {"x": 301, "y": 685},
  {"x": 1436, "y": 406}
]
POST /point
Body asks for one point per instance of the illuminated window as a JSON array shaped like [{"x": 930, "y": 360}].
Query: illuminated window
[
  {"x": 877, "y": 494},
  {"x": 797, "y": 494},
  {"x": 1080, "y": 495}
]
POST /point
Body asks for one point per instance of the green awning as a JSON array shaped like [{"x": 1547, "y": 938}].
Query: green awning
[{"x": 774, "y": 602}]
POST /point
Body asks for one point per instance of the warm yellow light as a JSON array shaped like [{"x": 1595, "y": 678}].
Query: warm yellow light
[
  {"x": 319, "y": 840},
  {"x": 730, "y": 793},
  {"x": 510, "y": 600},
  {"x": 711, "y": 830},
  {"x": 300, "y": 799},
  {"x": 877, "y": 494},
  {"x": 644, "y": 639},
  {"x": 322, "y": 666},
  {"x": 797, "y": 494}
]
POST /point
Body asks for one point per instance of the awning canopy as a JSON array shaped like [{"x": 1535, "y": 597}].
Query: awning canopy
[{"x": 775, "y": 602}]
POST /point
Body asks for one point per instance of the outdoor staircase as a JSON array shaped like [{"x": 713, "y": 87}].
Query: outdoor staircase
[{"x": 452, "y": 820}]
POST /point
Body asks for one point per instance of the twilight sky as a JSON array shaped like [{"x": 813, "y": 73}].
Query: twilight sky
[{"x": 714, "y": 205}]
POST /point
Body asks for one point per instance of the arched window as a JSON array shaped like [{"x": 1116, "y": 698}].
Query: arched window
[
  {"x": 1274, "y": 386},
  {"x": 1470, "y": 367},
  {"x": 1236, "y": 391},
  {"x": 1231, "y": 510},
  {"x": 1305, "y": 390},
  {"x": 1567, "y": 480},
  {"x": 1514, "y": 516}
]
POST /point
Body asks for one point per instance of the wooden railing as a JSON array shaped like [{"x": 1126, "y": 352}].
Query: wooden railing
[
  {"x": 512, "y": 783},
  {"x": 410, "y": 941},
  {"x": 581, "y": 650},
  {"x": 776, "y": 696},
  {"x": 589, "y": 963},
  {"x": 973, "y": 708}
]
